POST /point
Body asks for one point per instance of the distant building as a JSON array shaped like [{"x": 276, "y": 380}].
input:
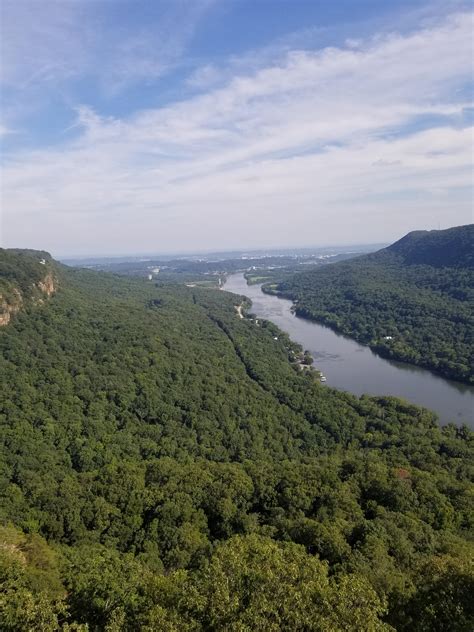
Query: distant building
[
  {"x": 388, "y": 337},
  {"x": 150, "y": 277},
  {"x": 43, "y": 262}
]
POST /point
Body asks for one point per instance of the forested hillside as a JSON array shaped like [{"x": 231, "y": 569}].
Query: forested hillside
[
  {"x": 453, "y": 247},
  {"x": 165, "y": 468},
  {"x": 412, "y": 301},
  {"x": 26, "y": 279}
]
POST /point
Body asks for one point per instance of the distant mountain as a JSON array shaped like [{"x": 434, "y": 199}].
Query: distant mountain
[
  {"x": 412, "y": 301},
  {"x": 451, "y": 247}
]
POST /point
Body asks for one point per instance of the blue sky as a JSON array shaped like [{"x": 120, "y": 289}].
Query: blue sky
[{"x": 150, "y": 126}]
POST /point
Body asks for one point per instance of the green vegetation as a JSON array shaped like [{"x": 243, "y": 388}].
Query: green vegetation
[
  {"x": 20, "y": 273},
  {"x": 164, "y": 467},
  {"x": 412, "y": 301},
  {"x": 254, "y": 279}
]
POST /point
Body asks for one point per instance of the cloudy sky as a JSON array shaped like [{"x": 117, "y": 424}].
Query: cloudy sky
[{"x": 145, "y": 126}]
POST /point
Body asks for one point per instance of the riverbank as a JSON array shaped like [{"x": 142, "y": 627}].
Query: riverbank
[
  {"x": 381, "y": 326},
  {"x": 353, "y": 367}
]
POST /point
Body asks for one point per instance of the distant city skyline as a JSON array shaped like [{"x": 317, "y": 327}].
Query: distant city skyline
[
  {"x": 251, "y": 252},
  {"x": 194, "y": 126}
]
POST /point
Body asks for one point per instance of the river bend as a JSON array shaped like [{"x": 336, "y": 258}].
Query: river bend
[{"x": 353, "y": 367}]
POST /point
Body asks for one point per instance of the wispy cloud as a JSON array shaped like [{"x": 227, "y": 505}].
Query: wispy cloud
[
  {"x": 154, "y": 51},
  {"x": 52, "y": 41},
  {"x": 41, "y": 42},
  {"x": 270, "y": 153}
]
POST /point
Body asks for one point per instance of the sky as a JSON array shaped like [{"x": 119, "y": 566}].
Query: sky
[{"x": 150, "y": 126}]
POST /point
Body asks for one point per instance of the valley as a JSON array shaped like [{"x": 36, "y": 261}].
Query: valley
[
  {"x": 156, "y": 448},
  {"x": 352, "y": 367}
]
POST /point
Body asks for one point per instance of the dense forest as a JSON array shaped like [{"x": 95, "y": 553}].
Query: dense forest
[
  {"x": 165, "y": 468},
  {"x": 412, "y": 301}
]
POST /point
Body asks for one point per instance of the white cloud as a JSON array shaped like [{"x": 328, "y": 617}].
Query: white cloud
[
  {"x": 206, "y": 77},
  {"x": 292, "y": 153}
]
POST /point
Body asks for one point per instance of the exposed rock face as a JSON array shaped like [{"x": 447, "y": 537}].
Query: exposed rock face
[
  {"x": 11, "y": 306},
  {"x": 47, "y": 285},
  {"x": 6, "y": 312},
  {"x": 7, "y": 309}
]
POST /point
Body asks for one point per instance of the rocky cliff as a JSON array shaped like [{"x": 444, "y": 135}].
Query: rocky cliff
[
  {"x": 8, "y": 308},
  {"x": 26, "y": 277}
]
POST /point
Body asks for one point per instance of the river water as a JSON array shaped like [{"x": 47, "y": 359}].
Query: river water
[{"x": 355, "y": 368}]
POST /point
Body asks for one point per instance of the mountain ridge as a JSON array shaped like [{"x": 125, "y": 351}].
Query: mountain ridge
[
  {"x": 451, "y": 247},
  {"x": 412, "y": 301}
]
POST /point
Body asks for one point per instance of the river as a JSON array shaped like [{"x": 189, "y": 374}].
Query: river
[{"x": 352, "y": 367}]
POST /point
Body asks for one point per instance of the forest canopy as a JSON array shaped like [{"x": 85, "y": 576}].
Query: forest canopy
[{"x": 164, "y": 467}]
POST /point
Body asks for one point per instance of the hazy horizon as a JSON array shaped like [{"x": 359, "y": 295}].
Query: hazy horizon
[
  {"x": 218, "y": 251},
  {"x": 240, "y": 251}
]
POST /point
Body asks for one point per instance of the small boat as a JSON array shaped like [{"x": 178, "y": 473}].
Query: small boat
[{"x": 322, "y": 378}]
